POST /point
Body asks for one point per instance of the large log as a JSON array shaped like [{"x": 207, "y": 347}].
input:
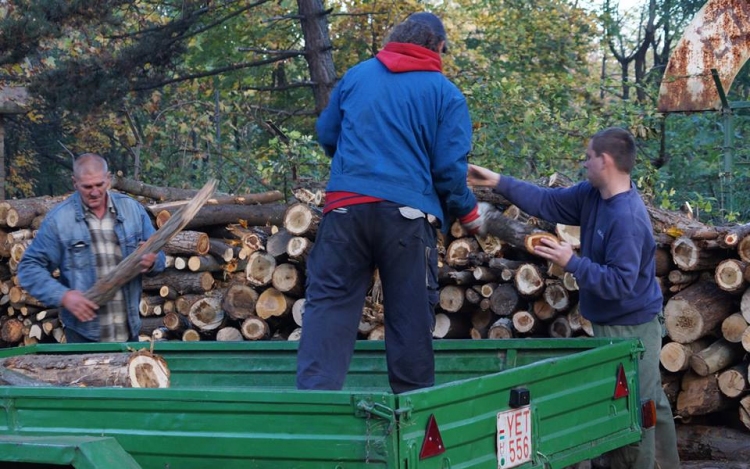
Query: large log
[
  {"x": 302, "y": 219},
  {"x": 675, "y": 356},
  {"x": 691, "y": 255},
  {"x": 696, "y": 311},
  {"x": 140, "y": 369},
  {"x": 511, "y": 231},
  {"x": 188, "y": 242},
  {"x": 239, "y": 301},
  {"x": 712, "y": 443},
  {"x": 208, "y": 215},
  {"x": 22, "y": 212}
]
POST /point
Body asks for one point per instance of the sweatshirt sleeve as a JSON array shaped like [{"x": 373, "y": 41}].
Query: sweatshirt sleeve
[
  {"x": 449, "y": 162},
  {"x": 562, "y": 205},
  {"x": 328, "y": 125}
]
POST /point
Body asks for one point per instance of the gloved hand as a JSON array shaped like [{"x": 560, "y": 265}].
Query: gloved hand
[{"x": 473, "y": 222}]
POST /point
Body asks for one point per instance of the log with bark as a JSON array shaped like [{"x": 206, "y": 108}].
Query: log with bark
[
  {"x": 140, "y": 369},
  {"x": 208, "y": 215},
  {"x": 697, "y": 311}
]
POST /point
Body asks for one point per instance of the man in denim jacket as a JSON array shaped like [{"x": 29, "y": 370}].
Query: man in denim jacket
[{"x": 85, "y": 237}]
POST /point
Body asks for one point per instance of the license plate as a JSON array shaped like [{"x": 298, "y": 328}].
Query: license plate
[{"x": 514, "y": 437}]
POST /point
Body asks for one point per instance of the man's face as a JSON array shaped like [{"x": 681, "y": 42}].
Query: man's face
[
  {"x": 594, "y": 165},
  {"x": 93, "y": 188}
]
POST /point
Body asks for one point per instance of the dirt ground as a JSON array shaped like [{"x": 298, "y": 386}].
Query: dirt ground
[{"x": 715, "y": 464}]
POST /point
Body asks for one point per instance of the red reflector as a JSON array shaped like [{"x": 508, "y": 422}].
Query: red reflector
[
  {"x": 648, "y": 414},
  {"x": 433, "y": 442},
  {"x": 621, "y": 387}
]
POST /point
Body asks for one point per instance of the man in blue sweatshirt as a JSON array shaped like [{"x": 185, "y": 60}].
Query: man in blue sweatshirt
[
  {"x": 615, "y": 270},
  {"x": 398, "y": 132}
]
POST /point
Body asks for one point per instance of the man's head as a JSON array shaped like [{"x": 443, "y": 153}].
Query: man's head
[
  {"x": 422, "y": 29},
  {"x": 91, "y": 179},
  {"x": 619, "y": 144}
]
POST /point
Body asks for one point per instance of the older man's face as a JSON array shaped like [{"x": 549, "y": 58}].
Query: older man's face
[{"x": 93, "y": 188}]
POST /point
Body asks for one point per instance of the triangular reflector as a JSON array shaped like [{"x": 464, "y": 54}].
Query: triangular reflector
[
  {"x": 621, "y": 387},
  {"x": 433, "y": 442}
]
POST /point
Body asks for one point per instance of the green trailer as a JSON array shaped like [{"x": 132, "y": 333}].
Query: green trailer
[{"x": 526, "y": 403}]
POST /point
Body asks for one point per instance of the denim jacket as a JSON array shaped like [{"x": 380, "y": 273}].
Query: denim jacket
[{"x": 64, "y": 242}]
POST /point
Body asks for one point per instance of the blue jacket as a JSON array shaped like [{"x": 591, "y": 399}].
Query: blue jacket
[
  {"x": 616, "y": 271},
  {"x": 63, "y": 242},
  {"x": 399, "y": 136}
]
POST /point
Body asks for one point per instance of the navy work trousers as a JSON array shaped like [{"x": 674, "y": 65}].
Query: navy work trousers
[{"x": 351, "y": 242}]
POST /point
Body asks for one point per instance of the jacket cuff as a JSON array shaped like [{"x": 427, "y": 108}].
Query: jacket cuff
[{"x": 471, "y": 216}]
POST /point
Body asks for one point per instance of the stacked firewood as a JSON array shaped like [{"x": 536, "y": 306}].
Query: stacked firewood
[{"x": 237, "y": 272}]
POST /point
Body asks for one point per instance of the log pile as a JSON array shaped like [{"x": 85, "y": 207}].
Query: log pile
[{"x": 237, "y": 272}]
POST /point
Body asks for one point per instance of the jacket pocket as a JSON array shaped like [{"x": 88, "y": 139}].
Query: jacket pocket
[{"x": 79, "y": 254}]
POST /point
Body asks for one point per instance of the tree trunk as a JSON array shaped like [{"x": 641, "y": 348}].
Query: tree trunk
[{"x": 318, "y": 50}]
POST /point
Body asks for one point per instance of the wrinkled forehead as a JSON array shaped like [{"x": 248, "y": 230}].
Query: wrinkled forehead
[{"x": 92, "y": 178}]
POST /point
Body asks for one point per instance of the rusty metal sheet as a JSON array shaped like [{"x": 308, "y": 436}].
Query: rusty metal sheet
[{"x": 718, "y": 37}]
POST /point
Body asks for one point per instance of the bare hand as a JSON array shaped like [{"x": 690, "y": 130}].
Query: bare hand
[
  {"x": 479, "y": 176},
  {"x": 81, "y": 307},
  {"x": 558, "y": 253},
  {"x": 147, "y": 261}
]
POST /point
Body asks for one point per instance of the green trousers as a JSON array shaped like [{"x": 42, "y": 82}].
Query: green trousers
[{"x": 658, "y": 446}]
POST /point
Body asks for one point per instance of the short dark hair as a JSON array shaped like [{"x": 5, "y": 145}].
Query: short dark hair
[
  {"x": 619, "y": 144},
  {"x": 421, "y": 29}
]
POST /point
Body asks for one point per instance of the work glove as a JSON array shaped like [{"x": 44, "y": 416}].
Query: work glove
[{"x": 473, "y": 222}]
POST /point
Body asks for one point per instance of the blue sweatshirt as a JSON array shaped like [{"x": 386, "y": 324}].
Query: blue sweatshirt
[
  {"x": 398, "y": 129},
  {"x": 616, "y": 269}
]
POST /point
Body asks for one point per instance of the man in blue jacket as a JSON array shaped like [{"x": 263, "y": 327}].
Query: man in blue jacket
[
  {"x": 398, "y": 132},
  {"x": 615, "y": 271},
  {"x": 85, "y": 237}
]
